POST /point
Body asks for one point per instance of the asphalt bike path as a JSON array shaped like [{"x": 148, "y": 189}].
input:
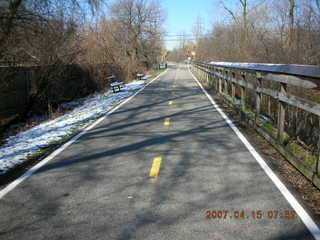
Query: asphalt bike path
[{"x": 165, "y": 165}]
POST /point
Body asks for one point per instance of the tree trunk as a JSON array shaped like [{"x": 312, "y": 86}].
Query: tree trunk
[{"x": 291, "y": 22}]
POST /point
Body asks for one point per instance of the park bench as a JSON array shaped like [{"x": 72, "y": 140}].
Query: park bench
[
  {"x": 163, "y": 66},
  {"x": 140, "y": 76},
  {"x": 114, "y": 84}
]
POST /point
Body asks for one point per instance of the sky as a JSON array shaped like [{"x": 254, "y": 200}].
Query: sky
[{"x": 182, "y": 14}]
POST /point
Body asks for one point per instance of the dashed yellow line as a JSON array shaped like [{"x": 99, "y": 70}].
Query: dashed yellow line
[
  {"x": 155, "y": 168},
  {"x": 154, "y": 171},
  {"x": 166, "y": 122}
]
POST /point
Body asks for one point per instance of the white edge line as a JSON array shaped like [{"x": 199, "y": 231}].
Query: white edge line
[
  {"x": 305, "y": 217},
  {"x": 55, "y": 153}
]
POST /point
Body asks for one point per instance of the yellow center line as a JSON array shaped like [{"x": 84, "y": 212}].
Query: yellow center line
[
  {"x": 166, "y": 122},
  {"x": 154, "y": 171}
]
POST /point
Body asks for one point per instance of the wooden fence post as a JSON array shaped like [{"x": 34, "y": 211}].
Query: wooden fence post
[
  {"x": 220, "y": 85},
  {"x": 216, "y": 80},
  {"x": 243, "y": 97},
  {"x": 243, "y": 94},
  {"x": 233, "y": 88},
  {"x": 258, "y": 98},
  {"x": 281, "y": 113},
  {"x": 317, "y": 170},
  {"x": 226, "y": 83},
  {"x": 210, "y": 76},
  {"x": 213, "y": 79},
  {"x": 203, "y": 73},
  {"x": 269, "y": 106}
]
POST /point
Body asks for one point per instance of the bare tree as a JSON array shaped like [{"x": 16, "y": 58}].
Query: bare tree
[
  {"x": 20, "y": 17},
  {"x": 140, "y": 24},
  {"x": 244, "y": 13},
  {"x": 241, "y": 21},
  {"x": 291, "y": 11},
  {"x": 281, "y": 31},
  {"x": 198, "y": 28}
]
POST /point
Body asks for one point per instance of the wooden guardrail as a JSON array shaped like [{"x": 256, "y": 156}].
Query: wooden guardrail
[{"x": 235, "y": 84}]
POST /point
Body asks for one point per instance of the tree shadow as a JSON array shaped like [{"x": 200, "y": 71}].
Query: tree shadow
[{"x": 85, "y": 192}]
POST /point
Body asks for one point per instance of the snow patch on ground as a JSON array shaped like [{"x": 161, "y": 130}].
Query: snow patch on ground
[
  {"x": 69, "y": 105},
  {"x": 146, "y": 77},
  {"x": 18, "y": 147}
]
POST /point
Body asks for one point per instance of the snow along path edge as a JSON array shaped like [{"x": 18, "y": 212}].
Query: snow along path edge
[
  {"x": 304, "y": 216},
  {"x": 55, "y": 153},
  {"x": 20, "y": 147}
]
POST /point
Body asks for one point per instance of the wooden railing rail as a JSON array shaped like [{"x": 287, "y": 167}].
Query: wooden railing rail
[{"x": 226, "y": 80}]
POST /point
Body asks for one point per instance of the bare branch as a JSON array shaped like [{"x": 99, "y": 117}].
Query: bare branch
[{"x": 229, "y": 11}]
